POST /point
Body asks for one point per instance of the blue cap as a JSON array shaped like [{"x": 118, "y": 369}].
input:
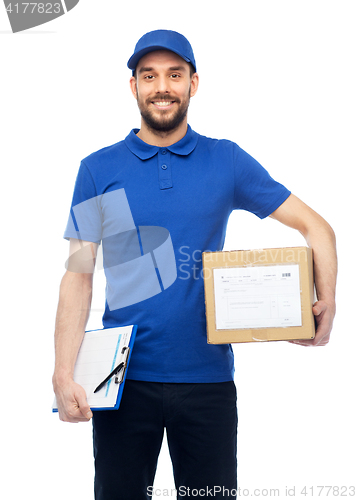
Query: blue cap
[{"x": 159, "y": 40}]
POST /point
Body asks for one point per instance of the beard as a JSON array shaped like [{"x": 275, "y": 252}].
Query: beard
[{"x": 164, "y": 120}]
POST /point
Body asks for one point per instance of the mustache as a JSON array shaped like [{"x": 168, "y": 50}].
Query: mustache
[{"x": 162, "y": 97}]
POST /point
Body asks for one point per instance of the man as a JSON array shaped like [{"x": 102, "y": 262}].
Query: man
[{"x": 167, "y": 176}]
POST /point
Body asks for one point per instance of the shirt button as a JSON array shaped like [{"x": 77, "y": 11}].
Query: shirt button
[
  {"x": 163, "y": 152},
  {"x": 164, "y": 167}
]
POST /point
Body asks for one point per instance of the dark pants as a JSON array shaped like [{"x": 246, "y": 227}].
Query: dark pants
[{"x": 201, "y": 427}]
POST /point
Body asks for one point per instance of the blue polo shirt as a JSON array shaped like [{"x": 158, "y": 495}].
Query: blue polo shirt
[{"x": 182, "y": 196}]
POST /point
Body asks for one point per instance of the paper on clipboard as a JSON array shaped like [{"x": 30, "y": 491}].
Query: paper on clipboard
[{"x": 100, "y": 353}]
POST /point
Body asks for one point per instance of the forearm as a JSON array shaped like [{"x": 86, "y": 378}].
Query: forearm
[
  {"x": 321, "y": 238},
  {"x": 72, "y": 316}
]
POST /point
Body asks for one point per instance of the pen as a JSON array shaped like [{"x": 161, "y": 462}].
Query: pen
[{"x": 114, "y": 372}]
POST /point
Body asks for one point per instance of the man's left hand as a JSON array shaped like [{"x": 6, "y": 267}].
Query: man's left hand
[{"x": 324, "y": 314}]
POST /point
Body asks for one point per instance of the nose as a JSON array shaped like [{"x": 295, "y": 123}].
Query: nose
[{"x": 162, "y": 85}]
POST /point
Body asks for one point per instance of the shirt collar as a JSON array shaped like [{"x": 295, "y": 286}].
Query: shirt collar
[{"x": 145, "y": 151}]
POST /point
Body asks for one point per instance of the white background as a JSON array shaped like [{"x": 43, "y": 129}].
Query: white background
[{"x": 279, "y": 78}]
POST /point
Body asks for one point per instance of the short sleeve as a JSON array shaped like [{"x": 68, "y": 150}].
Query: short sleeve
[
  {"x": 254, "y": 189},
  {"x": 85, "y": 218}
]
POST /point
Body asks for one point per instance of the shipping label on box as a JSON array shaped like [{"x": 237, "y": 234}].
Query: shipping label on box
[{"x": 259, "y": 295}]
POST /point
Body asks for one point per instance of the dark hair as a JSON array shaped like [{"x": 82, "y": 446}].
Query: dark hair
[{"x": 192, "y": 69}]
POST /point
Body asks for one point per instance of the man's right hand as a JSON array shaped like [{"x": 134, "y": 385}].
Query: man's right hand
[{"x": 72, "y": 402}]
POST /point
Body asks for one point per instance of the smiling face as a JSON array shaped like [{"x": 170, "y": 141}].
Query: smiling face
[{"x": 163, "y": 87}]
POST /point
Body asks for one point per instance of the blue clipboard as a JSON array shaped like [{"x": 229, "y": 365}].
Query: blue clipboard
[{"x": 103, "y": 353}]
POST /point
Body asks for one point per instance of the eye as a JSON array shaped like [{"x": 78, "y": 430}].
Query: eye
[
  {"x": 175, "y": 76},
  {"x": 148, "y": 77}
]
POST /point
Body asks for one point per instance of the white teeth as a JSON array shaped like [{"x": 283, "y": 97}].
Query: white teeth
[{"x": 162, "y": 103}]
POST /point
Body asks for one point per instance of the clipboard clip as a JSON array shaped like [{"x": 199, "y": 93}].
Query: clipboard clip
[
  {"x": 120, "y": 369},
  {"x": 124, "y": 364}
]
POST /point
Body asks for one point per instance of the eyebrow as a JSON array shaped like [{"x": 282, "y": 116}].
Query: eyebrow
[
  {"x": 172, "y": 68},
  {"x": 177, "y": 68},
  {"x": 142, "y": 70}
]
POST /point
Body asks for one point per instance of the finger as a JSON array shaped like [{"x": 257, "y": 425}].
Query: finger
[
  {"x": 324, "y": 340},
  {"x": 84, "y": 408},
  {"x": 72, "y": 412},
  {"x": 86, "y": 412},
  {"x": 297, "y": 342},
  {"x": 311, "y": 343},
  {"x": 318, "y": 308},
  {"x": 73, "y": 417}
]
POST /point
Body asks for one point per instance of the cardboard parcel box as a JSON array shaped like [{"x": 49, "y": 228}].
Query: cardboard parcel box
[{"x": 259, "y": 295}]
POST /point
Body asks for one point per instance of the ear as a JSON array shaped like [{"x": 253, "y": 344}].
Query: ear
[
  {"x": 133, "y": 87},
  {"x": 194, "y": 84}
]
